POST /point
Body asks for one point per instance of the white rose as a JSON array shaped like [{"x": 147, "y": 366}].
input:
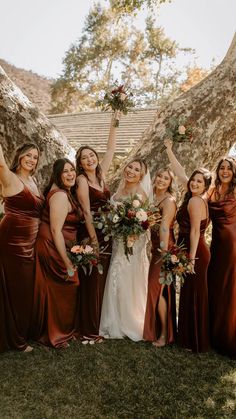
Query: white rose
[
  {"x": 174, "y": 259},
  {"x": 115, "y": 218},
  {"x": 181, "y": 130},
  {"x": 88, "y": 249},
  {"x": 136, "y": 203},
  {"x": 141, "y": 215}
]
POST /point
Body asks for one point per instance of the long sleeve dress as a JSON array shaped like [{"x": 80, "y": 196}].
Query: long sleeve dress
[
  {"x": 18, "y": 232},
  {"x": 222, "y": 276}
]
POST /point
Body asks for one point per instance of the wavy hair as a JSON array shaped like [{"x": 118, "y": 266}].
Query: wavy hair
[
  {"x": 232, "y": 184},
  {"x": 79, "y": 168},
  {"x": 207, "y": 177},
  {"x": 172, "y": 177},
  {"x": 21, "y": 152},
  {"x": 56, "y": 178}
]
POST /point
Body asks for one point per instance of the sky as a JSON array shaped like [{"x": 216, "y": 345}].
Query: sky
[{"x": 35, "y": 35}]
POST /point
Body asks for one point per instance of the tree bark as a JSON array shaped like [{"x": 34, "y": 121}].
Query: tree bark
[
  {"x": 21, "y": 121},
  {"x": 211, "y": 107}
]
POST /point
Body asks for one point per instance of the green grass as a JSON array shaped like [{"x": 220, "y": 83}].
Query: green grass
[{"x": 116, "y": 379}]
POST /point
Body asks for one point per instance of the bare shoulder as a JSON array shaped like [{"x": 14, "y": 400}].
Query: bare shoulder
[
  {"x": 196, "y": 202},
  {"x": 59, "y": 197}
]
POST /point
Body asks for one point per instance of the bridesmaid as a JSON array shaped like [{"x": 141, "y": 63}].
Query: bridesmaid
[
  {"x": 222, "y": 268},
  {"x": 56, "y": 285},
  {"x": 160, "y": 317},
  {"x": 193, "y": 219},
  {"x": 18, "y": 230},
  {"x": 92, "y": 193}
]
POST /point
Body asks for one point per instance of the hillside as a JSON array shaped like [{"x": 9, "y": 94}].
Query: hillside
[{"x": 35, "y": 87}]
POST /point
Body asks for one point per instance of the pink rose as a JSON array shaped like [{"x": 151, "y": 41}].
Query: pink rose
[
  {"x": 174, "y": 259},
  {"x": 181, "y": 130}
]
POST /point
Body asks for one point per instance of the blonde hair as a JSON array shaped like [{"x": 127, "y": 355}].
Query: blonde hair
[{"x": 20, "y": 153}]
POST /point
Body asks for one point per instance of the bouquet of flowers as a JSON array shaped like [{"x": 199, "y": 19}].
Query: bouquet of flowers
[
  {"x": 85, "y": 257},
  {"x": 176, "y": 264},
  {"x": 178, "y": 130},
  {"x": 118, "y": 100},
  {"x": 126, "y": 220}
]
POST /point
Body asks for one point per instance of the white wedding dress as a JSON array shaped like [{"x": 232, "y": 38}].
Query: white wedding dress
[{"x": 125, "y": 295}]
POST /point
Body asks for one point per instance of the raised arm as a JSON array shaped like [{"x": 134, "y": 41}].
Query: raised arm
[
  {"x": 111, "y": 144},
  {"x": 82, "y": 193},
  {"x": 175, "y": 164},
  {"x": 59, "y": 207},
  {"x": 6, "y": 176},
  {"x": 168, "y": 215}
]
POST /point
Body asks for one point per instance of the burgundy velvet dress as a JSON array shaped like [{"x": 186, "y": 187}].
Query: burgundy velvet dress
[
  {"x": 92, "y": 286},
  {"x": 18, "y": 232},
  {"x": 152, "y": 324},
  {"x": 193, "y": 322},
  {"x": 55, "y": 311},
  {"x": 222, "y": 276}
]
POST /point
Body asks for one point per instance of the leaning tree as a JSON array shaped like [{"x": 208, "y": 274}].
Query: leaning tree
[
  {"x": 21, "y": 121},
  {"x": 210, "y": 108}
]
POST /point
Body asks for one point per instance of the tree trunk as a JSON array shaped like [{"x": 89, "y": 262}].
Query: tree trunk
[
  {"x": 21, "y": 121},
  {"x": 211, "y": 107}
]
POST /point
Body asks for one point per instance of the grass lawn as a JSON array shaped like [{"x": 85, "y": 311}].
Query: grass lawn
[{"x": 116, "y": 379}]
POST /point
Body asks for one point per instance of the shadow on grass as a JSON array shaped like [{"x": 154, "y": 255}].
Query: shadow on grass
[{"x": 116, "y": 379}]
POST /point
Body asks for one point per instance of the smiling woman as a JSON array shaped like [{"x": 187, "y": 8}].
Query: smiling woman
[
  {"x": 193, "y": 219},
  {"x": 18, "y": 230},
  {"x": 56, "y": 286}
]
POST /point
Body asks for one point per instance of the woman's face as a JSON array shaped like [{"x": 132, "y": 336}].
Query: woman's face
[
  {"x": 162, "y": 181},
  {"x": 225, "y": 172},
  {"x": 29, "y": 160},
  {"x": 88, "y": 160},
  {"x": 197, "y": 184},
  {"x": 132, "y": 172},
  {"x": 68, "y": 176}
]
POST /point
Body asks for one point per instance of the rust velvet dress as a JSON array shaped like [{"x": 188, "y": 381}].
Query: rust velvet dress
[
  {"x": 54, "y": 320},
  {"x": 193, "y": 322},
  {"x": 18, "y": 232},
  {"x": 222, "y": 276},
  {"x": 92, "y": 286},
  {"x": 152, "y": 324}
]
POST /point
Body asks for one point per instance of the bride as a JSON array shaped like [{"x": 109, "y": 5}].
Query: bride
[{"x": 124, "y": 301}]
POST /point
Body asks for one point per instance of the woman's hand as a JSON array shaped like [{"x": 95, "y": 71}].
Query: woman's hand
[{"x": 168, "y": 143}]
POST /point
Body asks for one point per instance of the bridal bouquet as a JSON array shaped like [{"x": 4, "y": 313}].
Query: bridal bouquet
[
  {"x": 127, "y": 220},
  {"x": 118, "y": 99},
  {"x": 176, "y": 264},
  {"x": 178, "y": 130},
  {"x": 85, "y": 257}
]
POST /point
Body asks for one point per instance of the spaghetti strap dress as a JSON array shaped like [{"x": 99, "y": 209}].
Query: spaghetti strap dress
[
  {"x": 193, "y": 322},
  {"x": 18, "y": 232},
  {"x": 55, "y": 311},
  {"x": 222, "y": 276},
  {"x": 92, "y": 286},
  {"x": 152, "y": 324}
]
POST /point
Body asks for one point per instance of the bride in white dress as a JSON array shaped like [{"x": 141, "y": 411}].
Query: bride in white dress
[{"x": 125, "y": 295}]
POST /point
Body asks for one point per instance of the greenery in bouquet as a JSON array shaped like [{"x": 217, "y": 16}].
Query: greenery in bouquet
[
  {"x": 126, "y": 220},
  {"x": 84, "y": 256},
  {"x": 178, "y": 130},
  {"x": 176, "y": 264},
  {"x": 118, "y": 99}
]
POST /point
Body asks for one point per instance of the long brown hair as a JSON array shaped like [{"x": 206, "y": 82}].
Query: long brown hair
[
  {"x": 232, "y": 184},
  {"x": 57, "y": 171},
  {"x": 81, "y": 171},
  {"x": 207, "y": 177},
  {"x": 21, "y": 152}
]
